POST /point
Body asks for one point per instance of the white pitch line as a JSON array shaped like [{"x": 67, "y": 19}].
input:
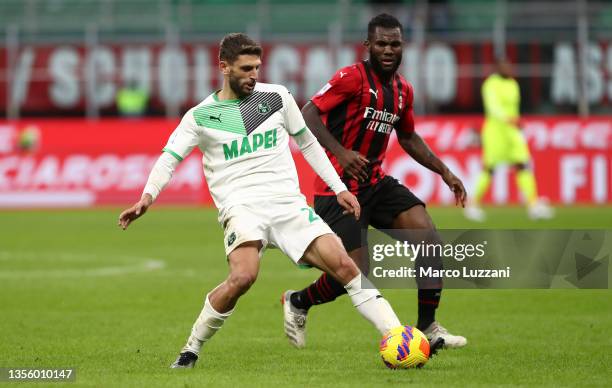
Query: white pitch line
[
  {"x": 47, "y": 198},
  {"x": 144, "y": 265}
]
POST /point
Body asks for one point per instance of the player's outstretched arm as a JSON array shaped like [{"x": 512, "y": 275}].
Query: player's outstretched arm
[
  {"x": 158, "y": 179},
  {"x": 414, "y": 145},
  {"x": 351, "y": 161},
  {"x": 184, "y": 138}
]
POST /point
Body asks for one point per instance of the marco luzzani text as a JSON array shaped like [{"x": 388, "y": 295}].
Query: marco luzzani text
[{"x": 389, "y": 254}]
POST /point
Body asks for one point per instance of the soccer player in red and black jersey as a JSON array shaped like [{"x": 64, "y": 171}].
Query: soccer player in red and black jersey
[{"x": 353, "y": 116}]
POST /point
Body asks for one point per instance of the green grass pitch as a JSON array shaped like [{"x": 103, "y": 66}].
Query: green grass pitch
[{"x": 76, "y": 291}]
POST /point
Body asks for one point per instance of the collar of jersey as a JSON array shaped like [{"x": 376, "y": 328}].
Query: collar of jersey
[{"x": 216, "y": 98}]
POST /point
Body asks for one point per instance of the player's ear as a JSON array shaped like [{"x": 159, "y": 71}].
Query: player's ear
[
  {"x": 224, "y": 67},
  {"x": 366, "y": 43}
]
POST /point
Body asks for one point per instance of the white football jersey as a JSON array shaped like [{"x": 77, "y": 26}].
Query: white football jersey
[{"x": 245, "y": 143}]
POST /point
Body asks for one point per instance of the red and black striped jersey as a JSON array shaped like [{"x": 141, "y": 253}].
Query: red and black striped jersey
[{"x": 360, "y": 112}]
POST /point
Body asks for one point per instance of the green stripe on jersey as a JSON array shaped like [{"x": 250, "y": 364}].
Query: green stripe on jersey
[
  {"x": 224, "y": 116},
  {"x": 298, "y": 133},
  {"x": 177, "y": 156}
]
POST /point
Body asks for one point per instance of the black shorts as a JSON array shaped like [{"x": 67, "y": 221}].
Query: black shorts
[{"x": 380, "y": 204}]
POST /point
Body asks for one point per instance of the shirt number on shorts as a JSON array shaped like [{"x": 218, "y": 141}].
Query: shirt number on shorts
[{"x": 312, "y": 216}]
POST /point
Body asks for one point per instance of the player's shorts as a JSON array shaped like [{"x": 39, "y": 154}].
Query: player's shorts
[
  {"x": 505, "y": 145},
  {"x": 380, "y": 205},
  {"x": 286, "y": 223}
]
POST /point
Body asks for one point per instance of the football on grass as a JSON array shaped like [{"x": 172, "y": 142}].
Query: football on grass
[{"x": 404, "y": 347}]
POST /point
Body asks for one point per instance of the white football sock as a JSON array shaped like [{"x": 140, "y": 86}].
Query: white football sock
[
  {"x": 205, "y": 327},
  {"x": 372, "y": 305}
]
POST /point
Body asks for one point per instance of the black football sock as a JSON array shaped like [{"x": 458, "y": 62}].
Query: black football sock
[
  {"x": 324, "y": 289},
  {"x": 428, "y": 303}
]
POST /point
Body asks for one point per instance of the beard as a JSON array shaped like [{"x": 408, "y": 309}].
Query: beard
[
  {"x": 377, "y": 66},
  {"x": 237, "y": 87}
]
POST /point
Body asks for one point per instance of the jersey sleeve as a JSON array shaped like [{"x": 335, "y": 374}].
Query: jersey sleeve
[
  {"x": 184, "y": 138},
  {"x": 343, "y": 85},
  {"x": 294, "y": 121},
  {"x": 407, "y": 119}
]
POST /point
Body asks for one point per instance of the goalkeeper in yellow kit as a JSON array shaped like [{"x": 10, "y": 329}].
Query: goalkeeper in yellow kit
[{"x": 504, "y": 143}]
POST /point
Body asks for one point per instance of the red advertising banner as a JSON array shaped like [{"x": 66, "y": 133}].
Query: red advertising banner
[
  {"x": 572, "y": 159},
  {"x": 80, "y": 163}
]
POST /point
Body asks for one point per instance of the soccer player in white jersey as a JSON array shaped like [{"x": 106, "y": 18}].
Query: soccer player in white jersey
[{"x": 243, "y": 131}]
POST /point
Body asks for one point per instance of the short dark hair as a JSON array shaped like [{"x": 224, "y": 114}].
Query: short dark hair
[
  {"x": 235, "y": 44},
  {"x": 383, "y": 20}
]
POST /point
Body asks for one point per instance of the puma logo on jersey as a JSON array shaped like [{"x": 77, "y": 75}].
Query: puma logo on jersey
[
  {"x": 215, "y": 118},
  {"x": 250, "y": 144},
  {"x": 374, "y": 92}
]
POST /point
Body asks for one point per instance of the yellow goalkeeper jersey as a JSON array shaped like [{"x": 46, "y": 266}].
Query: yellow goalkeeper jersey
[{"x": 502, "y": 99}]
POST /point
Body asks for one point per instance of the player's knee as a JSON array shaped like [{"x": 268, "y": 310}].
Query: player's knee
[
  {"x": 427, "y": 234},
  {"x": 346, "y": 269},
  {"x": 414, "y": 218},
  {"x": 241, "y": 282}
]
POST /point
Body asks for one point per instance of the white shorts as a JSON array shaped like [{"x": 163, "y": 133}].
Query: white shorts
[{"x": 287, "y": 223}]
